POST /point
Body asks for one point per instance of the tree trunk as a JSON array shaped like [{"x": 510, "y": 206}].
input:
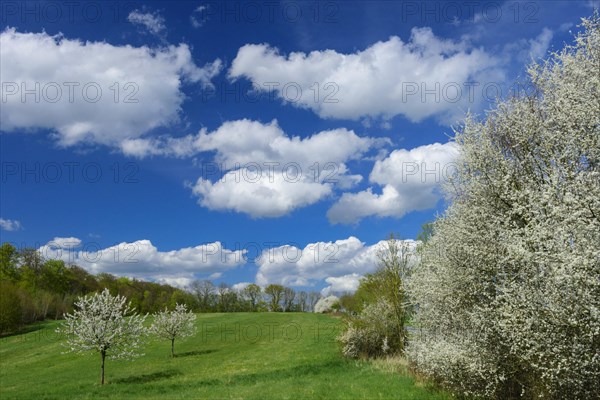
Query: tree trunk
[
  {"x": 103, "y": 354},
  {"x": 173, "y": 347}
]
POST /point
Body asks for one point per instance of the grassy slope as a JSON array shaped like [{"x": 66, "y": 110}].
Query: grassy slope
[{"x": 242, "y": 355}]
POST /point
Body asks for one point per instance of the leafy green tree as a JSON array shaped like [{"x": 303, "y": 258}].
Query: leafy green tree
[
  {"x": 369, "y": 290},
  {"x": 82, "y": 281},
  {"x": 397, "y": 260},
  {"x": 9, "y": 257},
  {"x": 288, "y": 297},
  {"x": 275, "y": 293},
  {"x": 384, "y": 289},
  {"x": 253, "y": 293},
  {"x": 10, "y": 307},
  {"x": 55, "y": 277},
  {"x": 107, "y": 281},
  {"x": 426, "y": 232},
  {"x": 348, "y": 303},
  {"x": 181, "y": 297},
  {"x": 30, "y": 269}
]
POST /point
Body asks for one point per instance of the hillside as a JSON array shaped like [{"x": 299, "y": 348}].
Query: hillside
[{"x": 235, "y": 355}]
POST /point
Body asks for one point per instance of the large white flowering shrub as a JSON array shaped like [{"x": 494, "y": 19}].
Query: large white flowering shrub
[
  {"x": 509, "y": 286},
  {"x": 327, "y": 304},
  {"x": 173, "y": 324},
  {"x": 105, "y": 324}
]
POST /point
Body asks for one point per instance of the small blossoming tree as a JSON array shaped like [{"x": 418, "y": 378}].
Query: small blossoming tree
[
  {"x": 102, "y": 323},
  {"x": 173, "y": 324}
]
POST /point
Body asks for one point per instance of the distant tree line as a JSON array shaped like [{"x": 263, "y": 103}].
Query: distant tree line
[
  {"x": 223, "y": 298},
  {"x": 34, "y": 289}
]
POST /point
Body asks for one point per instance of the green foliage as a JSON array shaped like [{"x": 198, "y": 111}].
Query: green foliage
[
  {"x": 10, "y": 307},
  {"x": 8, "y": 262},
  {"x": 349, "y": 303},
  {"x": 55, "y": 277},
  {"x": 369, "y": 290},
  {"x": 253, "y": 294},
  {"x": 384, "y": 291},
  {"x": 426, "y": 232},
  {"x": 372, "y": 333},
  {"x": 48, "y": 288},
  {"x": 275, "y": 293},
  {"x": 37, "y": 289}
]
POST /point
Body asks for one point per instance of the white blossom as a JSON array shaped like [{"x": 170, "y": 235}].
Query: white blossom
[
  {"x": 326, "y": 304},
  {"x": 104, "y": 323},
  {"x": 173, "y": 324},
  {"x": 509, "y": 287}
]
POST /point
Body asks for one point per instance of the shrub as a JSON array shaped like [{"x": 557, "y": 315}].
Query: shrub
[
  {"x": 327, "y": 304},
  {"x": 372, "y": 333},
  {"x": 509, "y": 286},
  {"x": 10, "y": 307}
]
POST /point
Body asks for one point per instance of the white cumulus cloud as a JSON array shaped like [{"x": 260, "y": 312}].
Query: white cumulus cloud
[
  {"x": 262, "y": 171},
  {"x": 92, "y": 92},
  {"x": 152, "y": 22},
  {"x": 270, "y": 196},
  {"x": 410, "y": 181},
  {"x": 10, "y": 225},
  {"x": 341, "y": 284},
  {"x": 423, "y": 77},
  {"x": 293, "y": 266},
  {"x": 141, "y": 259}
]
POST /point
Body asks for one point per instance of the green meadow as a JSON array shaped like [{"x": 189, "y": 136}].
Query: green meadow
[{"x": 232, "y": 356}]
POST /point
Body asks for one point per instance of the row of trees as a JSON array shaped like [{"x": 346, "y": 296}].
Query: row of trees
[
  {"x": 223, "y": 298},
  {"x": 34, "y": 289}
]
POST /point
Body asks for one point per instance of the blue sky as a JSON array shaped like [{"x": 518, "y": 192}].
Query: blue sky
[{"x": 276, "y": 142}]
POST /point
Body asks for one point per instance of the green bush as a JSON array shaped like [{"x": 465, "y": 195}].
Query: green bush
[
  {"x": 372, "y": 333},
  {"x": 10, "y": 308}
]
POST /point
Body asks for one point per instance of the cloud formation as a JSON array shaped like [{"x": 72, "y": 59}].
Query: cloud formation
[
  {"x": 293, "y": 266},
  {"x": 141, "y": 259},
  {"x": 92, "y": 92},
  {"x": 154, "y": 23},
  {"x": 260, "y": 170},
  {"x": 10, "y": 225},
  {"x": 198, "y": 17},
  {"x": 341, "y": 284},
  {"x": 410, "y": 181},
  {"x": 423, "y": 77}
]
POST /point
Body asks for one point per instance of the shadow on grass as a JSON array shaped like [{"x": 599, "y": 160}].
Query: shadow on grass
[
  {"x": 145, "y": 378},
  {"x": 26, "y": 329},
  {"x": 278, "y": 374},
  {"x": 194, "y": 353}
]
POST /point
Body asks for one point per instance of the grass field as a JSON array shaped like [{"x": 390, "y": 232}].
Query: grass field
[{"x": 233, "y": 356}]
